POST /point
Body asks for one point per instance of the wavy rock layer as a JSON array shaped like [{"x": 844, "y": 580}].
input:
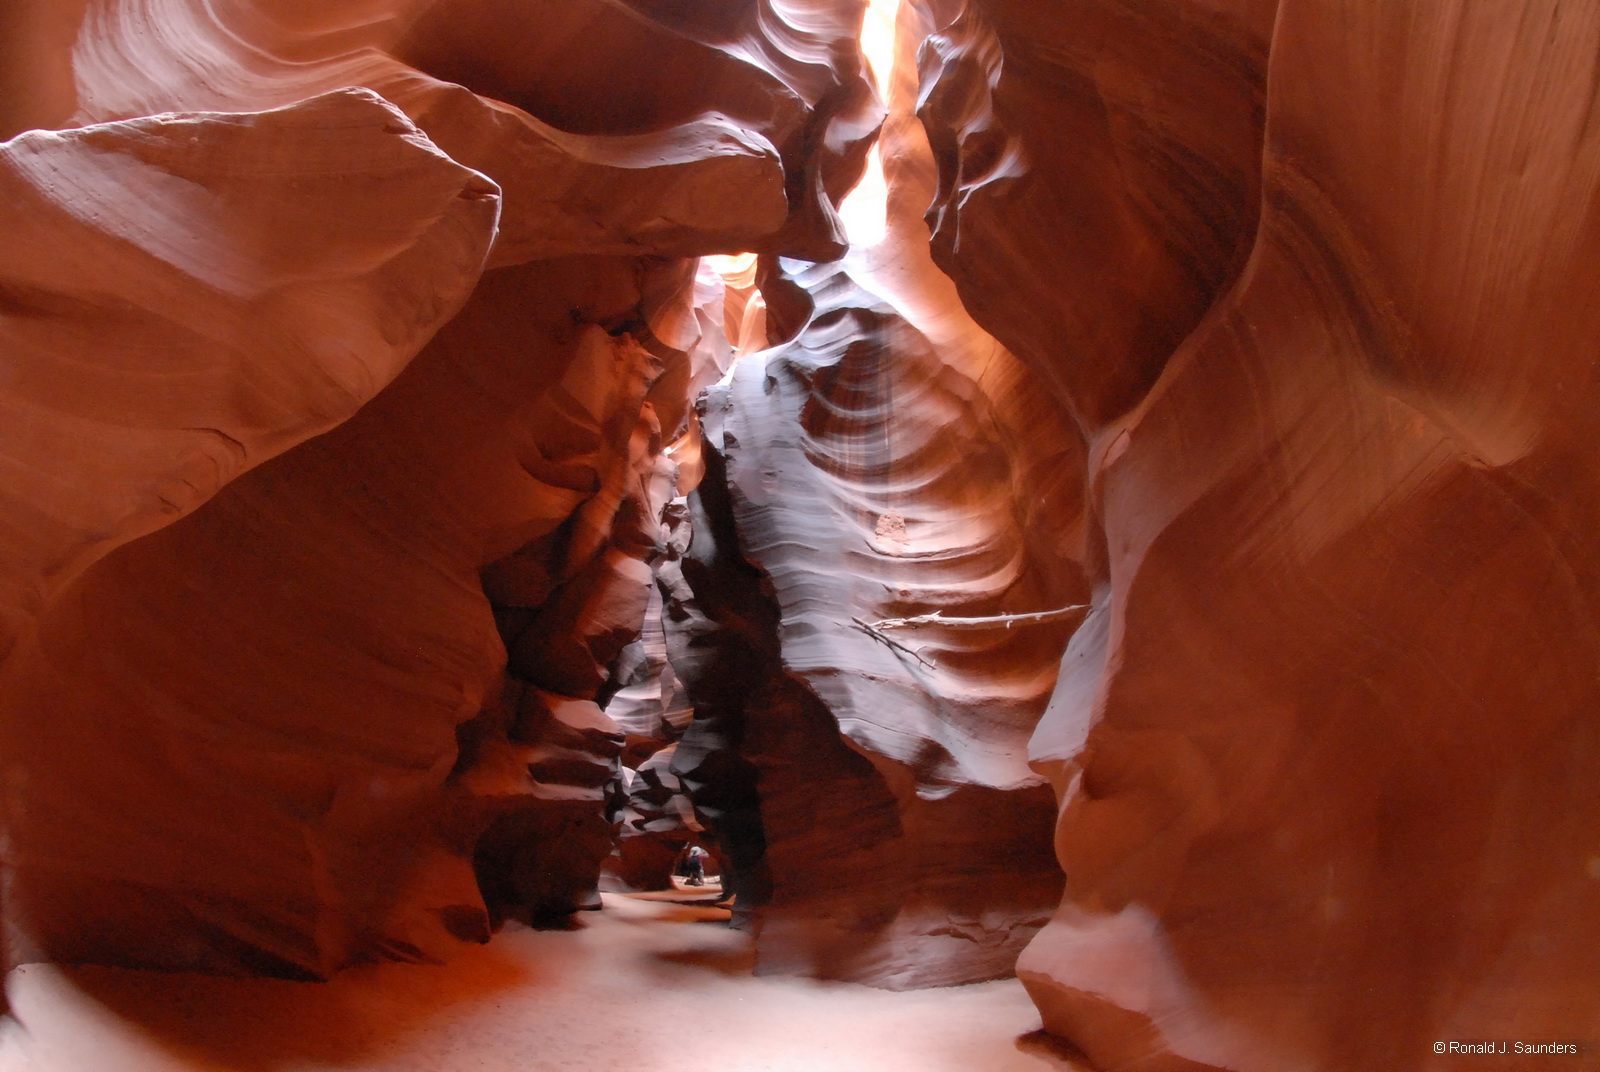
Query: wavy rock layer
[
  {"x": 669, "y": 162},
  {"x": 310, "y": 624},
  {"x": 1138, "y": 190},
  {"x": 873, "y": 487},
  {"x": 852, "y": 456},
  {"x": 790, "y": 71},
  {"x": 280, "y": 734},
  {"x": 185, "y": 297},
  {"x": 877, "y": 546},
  {"x": 1326, "y": 746}
]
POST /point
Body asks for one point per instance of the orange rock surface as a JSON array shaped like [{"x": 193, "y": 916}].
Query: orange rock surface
[
  {"x": 277, "y": 710},
  {"x": 394, "y": 505},
  {"x": 1325, "y": 747}
]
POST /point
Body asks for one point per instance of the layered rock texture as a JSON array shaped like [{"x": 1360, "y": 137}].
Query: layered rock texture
[
  {"x": 274, "y": 709},
  {"x": 909, "y": 634},
  {"x": 1326, "y": 745},
  {"x": 1156, "y": 507}
]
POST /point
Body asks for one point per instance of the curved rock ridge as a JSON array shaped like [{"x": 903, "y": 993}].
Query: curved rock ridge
[
  {"x": 342, "y": 749},
  {"x": 1326, "y": 745},
  {"x": 788, "y": 69},
  {"x": 1140, "y": 191},
  {"x": 185, "y": 296},
  {"x": 680, "y": 153},
  {"x": 703, "y": 184},
  {"x": 873, "y": 486}
]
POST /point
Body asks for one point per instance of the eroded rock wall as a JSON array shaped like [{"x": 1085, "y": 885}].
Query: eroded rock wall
[
  {"x": 446, "y": 588},
  {"x": 852, "y": 456},
  {"x": 276, "y": 731},
  {"x": 888, "y": 495},
  {"x": 322, "y": 549},
  {"x": 158, "y": 349},
  {"x": 1326, "y": 745}
]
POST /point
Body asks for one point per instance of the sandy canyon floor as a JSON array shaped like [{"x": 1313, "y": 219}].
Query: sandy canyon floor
[{"x": 647, "y": 985}]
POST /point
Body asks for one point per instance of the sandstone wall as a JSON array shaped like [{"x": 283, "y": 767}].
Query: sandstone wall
[
  {"x": 276, "y": 731},
  {"x": 1325, "y": 746}
]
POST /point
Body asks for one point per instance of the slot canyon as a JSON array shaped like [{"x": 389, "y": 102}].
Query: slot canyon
[{"x": 1073, "y": 510}]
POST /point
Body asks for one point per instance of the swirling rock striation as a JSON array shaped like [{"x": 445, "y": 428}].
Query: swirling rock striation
[
  {"x": 174, "y": 312},
  {"x": 1326, "y": 745},
  {"x": 705, "y": 182},
  {"x": 852, "y": 456},
  {"x": 280, "y": 733},
  {"x": 1139, "y": 188},
  {"x": 789, "y": 70}
]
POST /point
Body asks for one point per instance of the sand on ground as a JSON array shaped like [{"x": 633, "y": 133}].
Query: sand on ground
[{"x": 649, "y": 984}]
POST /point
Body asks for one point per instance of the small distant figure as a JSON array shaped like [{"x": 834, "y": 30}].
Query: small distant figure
[{"x": 695, "y": 867}]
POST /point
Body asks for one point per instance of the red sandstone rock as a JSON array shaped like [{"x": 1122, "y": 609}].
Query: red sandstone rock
[
  {"x": 1303, "y": 384},
  {"x": 256, "y": 668},
  {"x": 1326, "y": 745},
  {"x": 789, "y": 71},
  {"x": 704, "y": 183},
  {"x": 1128, "y": 137},
  {"x": 541, "y": 770},
  {"x": 626, "y": 162},
  {"x": 656, "y": 821},
  {"x": 187, "y": 296},
  {"x": 657, "y": 824},
  {"x": 284, "y": 677}
]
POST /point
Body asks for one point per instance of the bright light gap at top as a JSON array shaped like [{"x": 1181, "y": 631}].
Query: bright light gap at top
[{"x": 863, "y": 211}]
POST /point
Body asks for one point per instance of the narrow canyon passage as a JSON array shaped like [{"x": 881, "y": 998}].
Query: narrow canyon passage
[{"x": 1078, "y": 517}]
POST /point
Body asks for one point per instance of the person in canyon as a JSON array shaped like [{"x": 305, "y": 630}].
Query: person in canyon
[{"x": 694, "y": 866}]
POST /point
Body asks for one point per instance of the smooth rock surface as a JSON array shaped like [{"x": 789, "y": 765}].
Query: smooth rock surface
[
  {"x": 172, "y": 316},
  {"x": 870, "y": 545},
  {"x": 1326, "y": 745},
  {"x": 273, "y": 739},
  {"x": 1247, "y": 354}
]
